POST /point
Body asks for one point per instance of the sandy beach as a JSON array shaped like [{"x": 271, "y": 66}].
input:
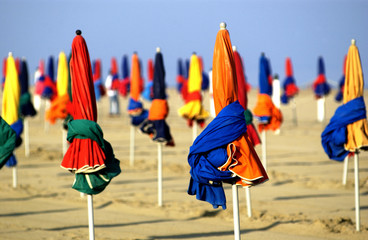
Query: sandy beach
[{"x": 304, "y": 198}]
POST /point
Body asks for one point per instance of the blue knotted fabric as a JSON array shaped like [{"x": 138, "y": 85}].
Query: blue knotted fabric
[
  {"x": 208, "y": 152},
  {"x": 334, "y": 135}
]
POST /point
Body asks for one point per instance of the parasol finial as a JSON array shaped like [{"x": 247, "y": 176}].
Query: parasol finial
[
  {"x": 158, "y": 49},
  {"x": 353, "y": 41},
  {"x": 10, "y": 54},
  {"x": 222, "y": 25},
  {"x": 78, "y": 32},
  {"x": 234, "y": 48}
]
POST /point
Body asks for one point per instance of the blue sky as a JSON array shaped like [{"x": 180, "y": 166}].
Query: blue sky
[{"x": 302, "y": 30}]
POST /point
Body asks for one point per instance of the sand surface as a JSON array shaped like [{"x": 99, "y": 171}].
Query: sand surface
[{"x": 304, "y": 198}]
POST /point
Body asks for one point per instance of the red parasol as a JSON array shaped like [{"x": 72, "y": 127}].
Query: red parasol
[
  {"x": 243, "y": 98},
  {"x": 83, "y": 155}
]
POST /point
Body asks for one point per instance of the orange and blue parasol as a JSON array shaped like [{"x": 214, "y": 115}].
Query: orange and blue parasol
[
  {"x": 223, "y": 151},
  {"x": 156, "y": 125}
]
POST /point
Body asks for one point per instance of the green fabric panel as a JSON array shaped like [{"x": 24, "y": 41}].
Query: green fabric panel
[
  {"x": 248, "y": 117},
  {"x": 84, "y": 129},
  {"x": 7, "y": 142},
  {"x": 24, "y": 99},
  {"x": 95, "y": 183}
]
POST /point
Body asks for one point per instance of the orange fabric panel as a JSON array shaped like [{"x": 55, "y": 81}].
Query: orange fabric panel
[
  {"x": 135, "y": 78},
  {"x": 58, "y": 109},
  {"x": 265, "y": 107},
  {"x": 224, "y": 82},
  {"x": 159, "y": 110}
]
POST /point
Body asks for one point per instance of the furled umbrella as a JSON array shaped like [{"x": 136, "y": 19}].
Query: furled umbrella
[
  {"x": 268, "y": 115},
  {"x": 321, "y": 90},
  {"x": 10, "y": 109},
  {"x": 180, "y": 75},
  {"x": 49, "y": 92},
  {"x": 89, "y": 156},
  {"x": 25, "y": 103},
  {"x": 184, "y": 88},
  {"x": 193, "y": 110},
  {"x": 39, "y": 80},
  {"x": 339, "y": 94},
  {"x": 290, "y": 88},
  {"x": 135, "y": 107},
  {"x": 205, "y": 80},
  {"x": 243, "y": 100},
  {"x": 124, "y": 87},
  {"x": 148, "y": 90},
  {"x": 97, "y": 80},
  {"x": 348, "y": 129},
  {"x": 223, "y": 151},
  {"x": 58, "y": 108},
  {"x": 156, "y": 125}
]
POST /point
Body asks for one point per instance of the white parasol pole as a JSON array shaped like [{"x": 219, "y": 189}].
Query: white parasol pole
[
  {"x": 264, "y": 157},
  {"x": 321, "y": 103},
  {"x": 276, "y": 96},
  {"x": 64, "y": 141},
  {"x": 236, "y": 212},
  {"x": 249, "y": 203},
  {"x": 132, "y": 142},
  {"x": 293, "y": 109},
  {"x": 345, "y": 172},
  {"x": 90, "y": 217},
  {"x": 195, "y": 129},
  {"x": 47, "y": 106},
  {"x": 15, "y": 177},
  {"x": 357, "y": 200},
  {"x": 159, "y": 171},
  {"x": 26, "y": 137}
]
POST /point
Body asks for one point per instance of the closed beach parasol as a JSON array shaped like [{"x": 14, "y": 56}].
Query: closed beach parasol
[
  {"x": 89, "y": 156},
  {"x": 148, "y": 90},
  {"x": 10, "y": 109},
  {"x": 97, "y": 79},
  {"x": 193, "y": 110},
  {"x": 348, "y": 130},
  {"x": 180, "y": 75},
  {"x": 135, "y": 107},
  {"x": 290, "y": 88},
  {"x": 25, "y": 104},
  {"x": 124, "y": 87},
  {"x": 58, "y": 106},
  {"x": 243, "y": 98},
  {"x": 156, "y": 125},
  {"x": 49, "y": 91},
  {"x": 289, "y": 85},
  {"x": 268, "y": 115},
  {"x": 339, "y": 94},
  {"x": 223, "y": 151},
  {"x": 321, "y": 90}
]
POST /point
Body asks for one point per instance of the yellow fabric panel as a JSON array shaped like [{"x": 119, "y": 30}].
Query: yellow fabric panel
[
  {"x": 193, "y": 110},
  {"x": 195, "y": 75},
  {"x": 11, "y": 93},
  {"x": 62, "y": 75},
  {"x": 357, "y": 133}
]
